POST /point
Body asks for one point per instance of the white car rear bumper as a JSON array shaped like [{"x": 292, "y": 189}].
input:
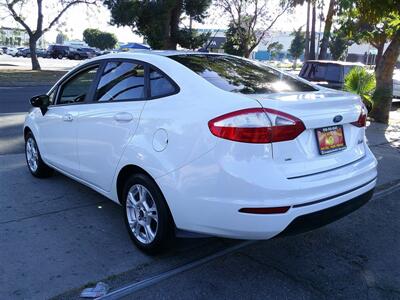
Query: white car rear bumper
[{"x": 220, "y": 196}]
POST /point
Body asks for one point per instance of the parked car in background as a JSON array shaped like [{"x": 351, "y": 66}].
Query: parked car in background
[
  {"x": 14, "y": 51},
  {"x": 20, "y": 52},
  {"x": 26, "y": 52},
  {"x": 58, "y": 51},
  {"x": 78, "y": 53},
  {"x": 91, "y": 51},
  {"x": 4, "y": 49},
  {"x": 396, "y": 84},
  {"x": 327, "y": 73},
  {"x": 206, "y": 143}
]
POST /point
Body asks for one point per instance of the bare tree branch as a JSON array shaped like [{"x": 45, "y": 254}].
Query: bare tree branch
[
  {"x": 36, "y": 33},
  {"x": 249, "y": 16},
  {"x": 66, "y": 7},
  {"x": 10, "y": 6}
]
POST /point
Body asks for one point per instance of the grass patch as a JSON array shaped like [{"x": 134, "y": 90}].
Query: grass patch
[{"x": 28, "y": 77}]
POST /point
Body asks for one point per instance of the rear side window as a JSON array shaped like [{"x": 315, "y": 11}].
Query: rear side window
[
  {"x": 121, "y": 81},
  {"x": 160, "y": 85},
  {"x": 322, "y": 72},
  {"x": 239, "y": 75}
]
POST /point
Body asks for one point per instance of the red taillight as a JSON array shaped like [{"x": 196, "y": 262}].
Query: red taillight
[
  {"x": 265, "y": 210},
  {"x": 362, "y": 120},
  {"x": 256, "y": 125}
]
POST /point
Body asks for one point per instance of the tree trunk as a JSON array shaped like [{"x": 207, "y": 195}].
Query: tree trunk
[
  {"x": 312, "y": 36},
  {"x": 34, "y": 59},
  {"x": 246, "y": 52},
  {"x": 327, "y": 30},
  {"x": 378, "y": 57},
  {"x": 174, "y": 24},
  {"x": 307, "y": 37},
  {"x": 383, "y": 94}
]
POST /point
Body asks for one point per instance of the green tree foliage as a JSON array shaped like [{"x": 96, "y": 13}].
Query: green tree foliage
[
  {"x": 99, "y": 39},
  {"x": 297, "y": 46},
  {"x": 191, "y": 39},
  {"x": 338, "y": 44},
  {"x": 234, "y": 44},
  {"x": 159, "y": 21},
  {"x": 359, "y": 81},
  {"x": 275, "y": 48},
  {"x": 376, "y": 22}
]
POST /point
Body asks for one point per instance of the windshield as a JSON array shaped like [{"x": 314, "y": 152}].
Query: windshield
[{"x": 234, "y": 74}]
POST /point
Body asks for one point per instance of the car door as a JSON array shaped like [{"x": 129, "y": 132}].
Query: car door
[
  {"x": 58, "y": 126},
  {"x": 106, "y": 128}
]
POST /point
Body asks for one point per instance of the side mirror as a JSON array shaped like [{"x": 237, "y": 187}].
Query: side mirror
[{"x": 41, "y": 101}]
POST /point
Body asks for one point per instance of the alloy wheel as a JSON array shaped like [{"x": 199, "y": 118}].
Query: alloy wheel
[
  {"x": 32, "y": 154},
  {"x": 142, "y": 214}
]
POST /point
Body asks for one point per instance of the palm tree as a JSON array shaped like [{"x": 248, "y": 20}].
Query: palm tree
[{"x": 359, "y": 81}]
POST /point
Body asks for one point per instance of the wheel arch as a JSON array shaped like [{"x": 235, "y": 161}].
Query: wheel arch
[
  {"x": 26, "y": 131},
  {"x": 128, "y": 170}
]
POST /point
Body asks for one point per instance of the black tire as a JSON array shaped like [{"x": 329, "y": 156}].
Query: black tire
[
  {"x": 42, "y": 170},
  {"x": 165, "y": 233},
  {"x": 60, "y": 56},
  {"x": 77, "y": 57}
]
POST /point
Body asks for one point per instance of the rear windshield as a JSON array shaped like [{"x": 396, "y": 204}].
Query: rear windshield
[
  {"x": 239, "y": 75},
  {"x": 321, "y": 72}
]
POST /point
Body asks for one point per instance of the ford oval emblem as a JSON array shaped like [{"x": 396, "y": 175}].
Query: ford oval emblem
[{"x": 337, "y": 118}]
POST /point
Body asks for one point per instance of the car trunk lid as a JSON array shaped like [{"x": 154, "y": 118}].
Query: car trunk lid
[{"x": 301, "y": 156}]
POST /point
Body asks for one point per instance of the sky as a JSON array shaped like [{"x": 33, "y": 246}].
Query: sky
[{"x": 80, "y": 17}]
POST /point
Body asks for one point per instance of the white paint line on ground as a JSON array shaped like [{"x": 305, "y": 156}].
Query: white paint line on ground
[
  {"x": 387, "y": 191},
  {"x": 136, "y": 286},
  {"x": 13, "y": 114}
]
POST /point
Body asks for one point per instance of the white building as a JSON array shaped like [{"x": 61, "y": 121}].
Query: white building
[{"x": 16, "y": 37}]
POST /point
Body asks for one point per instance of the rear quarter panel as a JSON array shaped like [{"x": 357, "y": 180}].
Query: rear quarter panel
[{"x": 180, "y": 120}]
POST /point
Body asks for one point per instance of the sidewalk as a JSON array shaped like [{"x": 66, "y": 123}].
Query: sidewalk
[{"x": 384, "y": 141}]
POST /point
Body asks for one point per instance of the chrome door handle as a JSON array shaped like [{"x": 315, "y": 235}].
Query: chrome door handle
[
  {"x": 123, "y": 117},
  {"x": 68, "y": 118}
]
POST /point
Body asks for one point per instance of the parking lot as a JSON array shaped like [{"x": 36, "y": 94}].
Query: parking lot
[
  {"x": 7, "y": 62},
  {"x": 57, "y": 236}
]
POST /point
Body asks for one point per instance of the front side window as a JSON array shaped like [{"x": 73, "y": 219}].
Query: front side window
[
  {"x": 234, "y": 74},
  {"x": 76, "y": 89},
  {"x": 160, "y": 85},
  {"x": 121, "y": 81}
]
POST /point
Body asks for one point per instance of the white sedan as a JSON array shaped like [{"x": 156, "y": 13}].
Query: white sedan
[{"x": 207, "y": 144}]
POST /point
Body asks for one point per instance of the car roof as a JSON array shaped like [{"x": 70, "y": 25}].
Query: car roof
[
  {"x": 152, "y": 53},
  {"x": 132, "y": 54},
  {"x": 336, "y": 62}
]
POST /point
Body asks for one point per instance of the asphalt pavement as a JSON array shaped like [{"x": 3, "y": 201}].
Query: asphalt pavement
[{"x": 56, "y": 236}]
